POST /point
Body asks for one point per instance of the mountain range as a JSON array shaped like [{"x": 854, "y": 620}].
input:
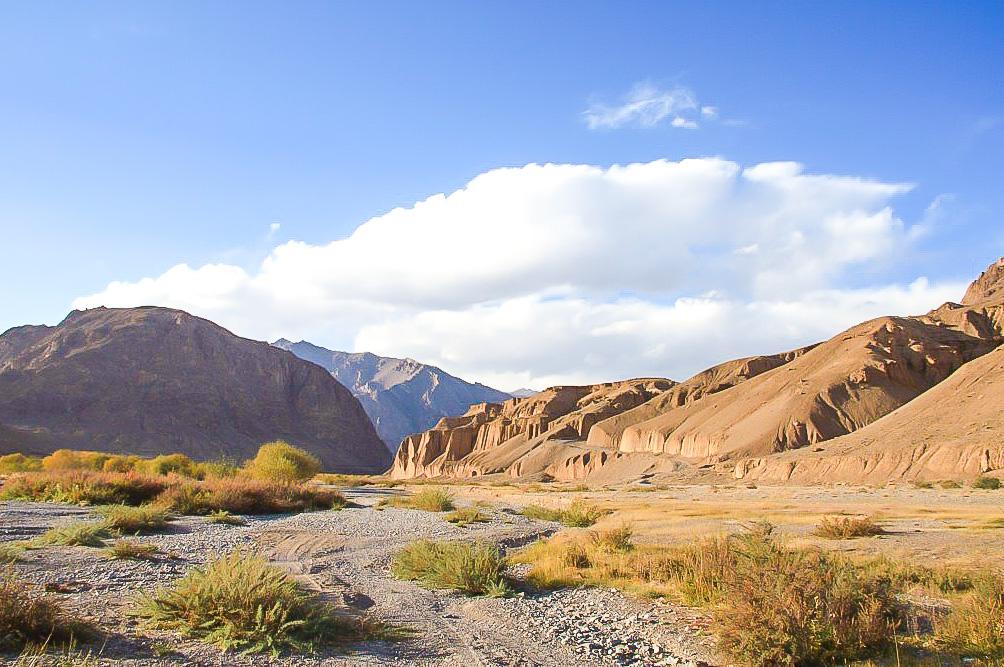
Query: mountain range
[
  {"x": 401, "y": 396},
  {"x": 917, "y": 397}
]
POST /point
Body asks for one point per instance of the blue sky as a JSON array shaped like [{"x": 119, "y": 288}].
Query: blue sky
[{"x": 138, "y": 136}]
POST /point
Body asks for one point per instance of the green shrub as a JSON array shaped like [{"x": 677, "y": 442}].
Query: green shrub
[
  {"x": 576, "y": 515},
  {"x": 471, "y": 568},
  {"x": 166, "y": 464},
  {"x": 132, "y": 550},
  {"x": 466, "y": 516},
  {"x": 282, "y": 462},
  {"x": 845, "y": 528},
  {"x": 247, "y": 496},
  {"x": 29, "y": 618},
  {"x": 240, "y": 601},
  {"x": 120, "y": 463},
  {"x": 76, "y": 534},
  {"x": 11, "y": 463},
  {"x": 133, "y": 520},
  {"x": 68, "y": 459},
  {"x": 10, "y": 552},
  {"x": 789, "y": 607},
  {"x": 975, "y": 626},
  {"x": 614, "y": 539},
  {"x": 989, "y": 483}
]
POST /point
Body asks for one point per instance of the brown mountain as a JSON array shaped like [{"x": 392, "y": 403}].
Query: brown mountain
[
  {"x": 744, "y": 415},
  {"x": 154, "y": 380},
  {"x": 541, "y": 434}
]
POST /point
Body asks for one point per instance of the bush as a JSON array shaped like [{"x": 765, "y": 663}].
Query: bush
[
  {"x": 790, "y": 607},
  {"x": 471, "y": 568},
  {"x": 240, "y": 601},
  {"x": 975, "y": 627},
  {"x": 248, "y": 496},
  {"x": 166, "y": 464},
  {"x": 76, "y": 534},
  {"x": 11, "y": 463},
  {"x": 282, "y": 462},
  {"x": 133, "y": 520},
  {"x": 466, "y": 516},
  {"x": 67, "y": 459},
  {"x": 28, "y": 618},
  {"x": 989, "y": 483},
  {"x": 950, "y": 484},
  {"x": 119, "y": 463},
  {"x": 613, "y": 540},
  {"x": 576, "y": 515},
  {"x": 132, "y": 550},
  {"x": 845, "y": 528},
  {"x": 10, "y": 552},
  {"x": 80, "y": 487},
  {"x": 226, "y": 518},
  {"x": 428, "y": 500}
]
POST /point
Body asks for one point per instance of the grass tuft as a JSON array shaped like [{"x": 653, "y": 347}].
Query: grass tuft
[
  {"x": 988, "y": 483},
  {"x": 614, "y": 540},
  {"x": 132, "y": 550},
  {"x": 76, "y": 534},
  {"x": 135, "y": 520},
  {"x": 428, "y": 500},
  {"x": 226, "y": 518},
  {"x": 241, "y": 602},
  {"x": 576, "y": 515},
  {"x": 845, "y": 528},
  {"x": 27, "y": 618},
  {"x": 472, "y": 568},
  {"x": 466, "y": 516},
  {"x": 10, "y": 552}
]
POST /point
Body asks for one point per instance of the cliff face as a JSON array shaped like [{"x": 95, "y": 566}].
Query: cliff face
[
  {"x": 521, "y": 436},
  {"x": 608, "y": 433},
  {"x": 153, "y": 380},
  {"x": 955, "y": 429},
  {"x": 401, "y": 396},
  {"x": 835, "y": 388}
]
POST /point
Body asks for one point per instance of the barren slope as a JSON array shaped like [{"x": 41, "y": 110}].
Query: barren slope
[{"x": 521, "y": 436}]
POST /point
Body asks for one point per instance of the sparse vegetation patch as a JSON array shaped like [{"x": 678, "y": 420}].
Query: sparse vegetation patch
[
  {"x": 429, "y": 500},
  {"x": 76, "y": 534},
  {"x": 241, "y": 602},
  {"x": 473, "y": 568},
  {"x": 577, "y": 515},
  {"x": 29, "y": 618},
  {"x": 132, "y": 550},
  {"x": 845, "y": 528},
  {"x": 466, "y": 516}
]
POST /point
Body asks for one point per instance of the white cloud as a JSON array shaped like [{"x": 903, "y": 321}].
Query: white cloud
[
  {"x": 646, "y": 105},
  {"x": 562, "y": 272}
]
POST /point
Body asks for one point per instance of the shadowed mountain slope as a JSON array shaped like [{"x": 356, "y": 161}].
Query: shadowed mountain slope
[{"x": 154, "y": 380}]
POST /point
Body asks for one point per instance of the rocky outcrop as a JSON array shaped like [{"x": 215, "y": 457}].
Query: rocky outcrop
[
  {"x": 835, "y": 388},
  {"x": 608, "y": 433},
  {"x": 954, "y": 430},
  {"x": 521, "y": 436},
  {"x": 401, "y": 396},
  {"x": 151, "y": 381}
]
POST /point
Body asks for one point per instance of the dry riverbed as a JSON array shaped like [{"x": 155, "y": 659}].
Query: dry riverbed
[{"x": 345, "y": 556}]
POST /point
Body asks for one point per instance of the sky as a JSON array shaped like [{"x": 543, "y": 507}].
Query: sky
[{"x": 522, "y": 193}]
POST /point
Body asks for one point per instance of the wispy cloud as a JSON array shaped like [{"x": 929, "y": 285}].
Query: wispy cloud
[{"x": 648, "y": 105}]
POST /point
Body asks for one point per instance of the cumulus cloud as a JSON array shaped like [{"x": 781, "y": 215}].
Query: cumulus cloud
[
  {"x": 569, "y": 272},
  {"x": 647, "y": 105}
]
